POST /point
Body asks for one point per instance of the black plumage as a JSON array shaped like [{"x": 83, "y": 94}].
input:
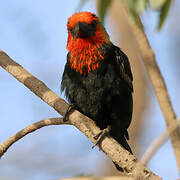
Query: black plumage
[{"x": 104, "y": 94}]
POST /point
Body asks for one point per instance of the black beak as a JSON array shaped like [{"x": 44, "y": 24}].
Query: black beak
[{"x": 83, "y": 30}]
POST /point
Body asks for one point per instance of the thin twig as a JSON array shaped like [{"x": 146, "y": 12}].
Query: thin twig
[
  {"x": 109, "y": 146},
  {"x": 154, "y": 147},
  {"x": 32, "y": 83},
  {"x": 157, "y": 80},
  {"x": 29, "y": 129},
  {"x": 103, "y": 178}
]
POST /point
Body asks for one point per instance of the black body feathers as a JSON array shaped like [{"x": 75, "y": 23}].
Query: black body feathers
[{"x": 105, "y": 94}]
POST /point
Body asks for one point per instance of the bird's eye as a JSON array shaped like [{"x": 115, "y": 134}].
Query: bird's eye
[
  {"x": 71, "y": 29},
  {"x": 93, "y": 15},
  {"x": 93, "y": 24}
]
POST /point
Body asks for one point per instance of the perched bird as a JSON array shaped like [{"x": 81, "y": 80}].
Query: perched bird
[{"x": 97, "y": 77}]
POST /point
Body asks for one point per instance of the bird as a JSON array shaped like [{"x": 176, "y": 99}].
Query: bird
[{"x": 97, "y": 78}]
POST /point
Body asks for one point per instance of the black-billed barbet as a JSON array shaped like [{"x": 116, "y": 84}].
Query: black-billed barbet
[{"x": 97, "y": 77}]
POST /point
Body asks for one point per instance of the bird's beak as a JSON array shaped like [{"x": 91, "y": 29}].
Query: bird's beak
[{"x": 83, "y": 30}]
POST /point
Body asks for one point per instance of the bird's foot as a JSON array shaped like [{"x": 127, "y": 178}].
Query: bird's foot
[
  {"x": 100, "y": 136},
  {"x": 70, "y": 109}
]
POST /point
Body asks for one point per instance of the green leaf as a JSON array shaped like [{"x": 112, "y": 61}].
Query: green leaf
[
  {"x": 156, "y": 4},
  {"x": 102, "y": 8},
  {"x": 141, "y": 6},
  {"x": 81, "y": 4},
  {"x": 163, "y": 13},
  {"x": 136, "y": 7}
]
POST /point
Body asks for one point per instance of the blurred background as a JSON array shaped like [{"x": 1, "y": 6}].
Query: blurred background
[{"x": 34, "y": 34}]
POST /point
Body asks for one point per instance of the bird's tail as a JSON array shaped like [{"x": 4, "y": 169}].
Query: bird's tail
[
  {"x": 122, "y": 140},
  {"x": 124, "y": 143}
]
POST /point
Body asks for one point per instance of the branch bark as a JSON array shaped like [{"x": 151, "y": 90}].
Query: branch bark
[
  {"x": 103, "y": 178},
  {"x": 109, "y": 146},
  {"x": 158, "y": 83},
  {"x": 29, "y": 129},
  {"x": 153, "y": 148}
]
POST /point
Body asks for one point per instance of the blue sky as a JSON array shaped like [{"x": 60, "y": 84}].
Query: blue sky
[{"x": 34, "y": 34}]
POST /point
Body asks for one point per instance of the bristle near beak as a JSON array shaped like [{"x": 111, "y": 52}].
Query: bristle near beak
[{"x": 83, "y": 30}]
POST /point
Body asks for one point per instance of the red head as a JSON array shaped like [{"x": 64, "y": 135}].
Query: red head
[{"x": 85, "y": 36}]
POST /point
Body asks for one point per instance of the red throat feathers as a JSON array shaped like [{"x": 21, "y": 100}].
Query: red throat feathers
[{"x": 86, "y": 53}]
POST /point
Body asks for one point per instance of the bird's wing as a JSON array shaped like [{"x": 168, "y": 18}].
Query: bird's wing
[{"x": 124, "y": 67}]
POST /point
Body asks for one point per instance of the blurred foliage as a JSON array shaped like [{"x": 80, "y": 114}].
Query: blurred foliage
[
  {"x": 163, "y": 13},
  {"x": 136, "y": 7},
  {"x": 81, "y": 4},
  {"x": 84, "y": 175},
  {"x": 102, "y": 8}
]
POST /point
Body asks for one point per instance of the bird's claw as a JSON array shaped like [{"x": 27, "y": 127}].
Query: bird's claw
[
  {"x": 101, "y": 135},
  {"x": 69, "y": 110}
]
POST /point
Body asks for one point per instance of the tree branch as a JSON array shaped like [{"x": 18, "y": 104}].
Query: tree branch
[
  {"x": 103, "y": 178},
  {"x": 153, "y": 148},
  {"x": 109, "y": 146},
  {"x": 29, "y": 129},
  {"x": 158, "y": 83}
]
